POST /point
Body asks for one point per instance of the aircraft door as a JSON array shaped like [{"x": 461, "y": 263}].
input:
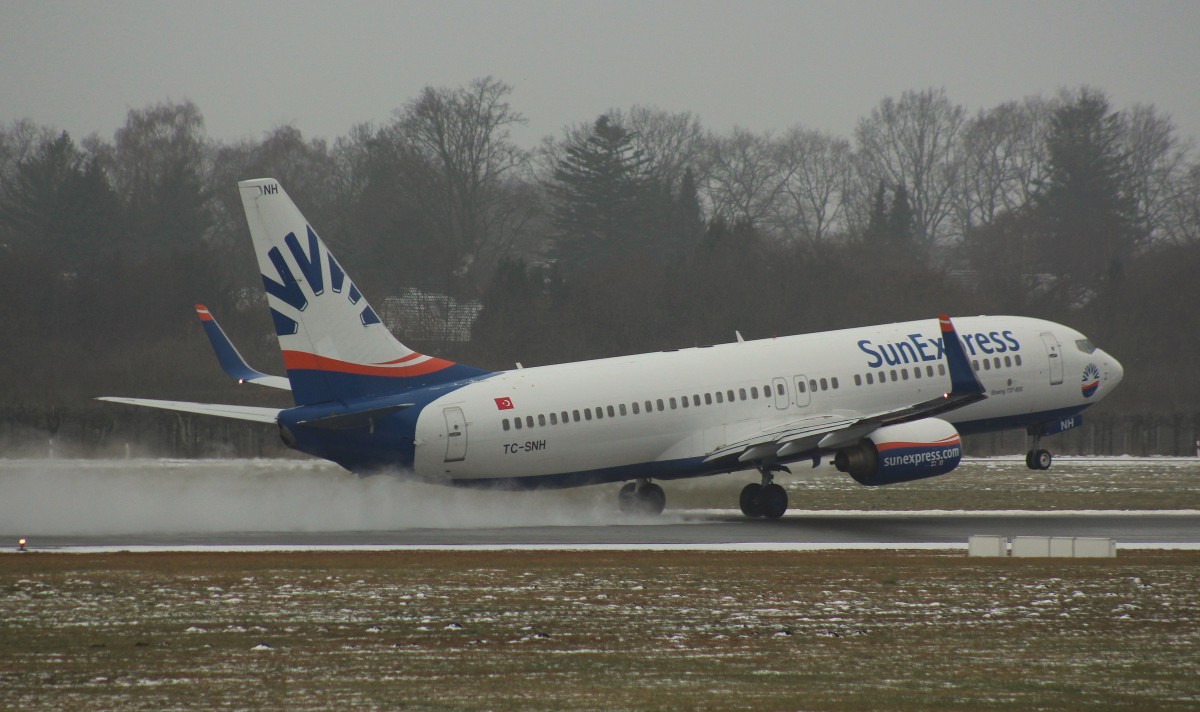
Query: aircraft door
[
  {"x": 802, "y": 394},
  {"x": 782, "y": 401},
  {"x": 1055, "y": 357},
  {"x": 456, "y": 435}
]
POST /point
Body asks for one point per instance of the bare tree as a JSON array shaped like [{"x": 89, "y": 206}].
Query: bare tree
[
  {"x": 1181, "y": 219},
  {"x": 816, "y": 171},
  {"x": 1003, "y": 153},
  {"x": 913, "y": 143},
  {"x": 1157, "y": 160},
  {"x": 744, "y": 177},
  {"x": 457, "y": 147}
]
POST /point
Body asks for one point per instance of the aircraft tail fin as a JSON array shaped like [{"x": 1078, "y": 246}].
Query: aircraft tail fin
[{"x": 335, "y": 347}]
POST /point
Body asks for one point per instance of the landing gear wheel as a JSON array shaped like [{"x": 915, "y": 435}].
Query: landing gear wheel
[
  {"x": 1042, "y": 459},
  {"x": 1038, "y": 459},
  {"x": 773, "y": 501},
  {"x": 642, "y": 499},
  {"x": 751, "y": 500}
]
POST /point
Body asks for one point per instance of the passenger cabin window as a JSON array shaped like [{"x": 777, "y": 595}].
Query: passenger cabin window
[
  {"x": 812, "y": 385},
  {"x": 575, "y": 416},
  {"x": 1008, "y": 361},
  {"x": 649, "y": 407},
  {"x": 942, "y": 368},
  {"x": 708, "y": 398},
  {"x": 802, "y": 386},
  {"x": 661, "y": 408},
  {"x": 870, "y": 380},
  {"x": 599, "y": 413},
  {"x": 566, "y": 418},
  {"x": 587, "y": 413},
  {"x": 673, "y": 404},
  {"x": 729, "y": 395},
  {"x": 893, "y": 375},
  {"x": 904, "y": 374},
  {"x": 742, "y": 393},
  {"x": 696, "y": 400},
  {"x": 917, "y": 372},
  {"x": 541, "y": 420},
  {"x": 529, "y": 420},
  {"x": 1017, "y": 359},
  {"x": 612, "y": 413},
  {"x": 858, "y": 379},
  {"x": 720, "y": 397},
  {"x": 635, "y": 407},
  {"x": 832, "y": 383},
  {"x": 779, "y": 390},
  {"x": 824, "y": 384},
  {"x": 621, "y": 409},
  {"x": 517, "y": 423},
  {"x": 975, "y": 365},
  {"x": 504, "y": 424},
  {"x": 554, "y": 418},
  {"x": 883, "y": 376},
  {"x": 754, "y": 392},
  {"x": 929, "y": 371},
  {"x": 684, "y": 401}
]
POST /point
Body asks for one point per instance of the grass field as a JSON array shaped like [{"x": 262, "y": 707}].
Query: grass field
[{"x": 570, "y": 630}]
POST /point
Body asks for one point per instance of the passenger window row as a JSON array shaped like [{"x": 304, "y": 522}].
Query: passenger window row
[
  {"x": 898, "y": 374},
  {"x": 915, "y": 372},
  {"x": 601, "y": 412}
]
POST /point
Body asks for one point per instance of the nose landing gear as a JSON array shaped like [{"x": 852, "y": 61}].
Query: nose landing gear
[{"x": 1037, "y": 458}]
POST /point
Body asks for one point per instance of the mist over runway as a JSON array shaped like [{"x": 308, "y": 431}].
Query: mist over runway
[{"x": 309, "y": 504}]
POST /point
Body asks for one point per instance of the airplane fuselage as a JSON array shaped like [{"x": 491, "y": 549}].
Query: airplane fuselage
[{"x": 660, "y": 415}]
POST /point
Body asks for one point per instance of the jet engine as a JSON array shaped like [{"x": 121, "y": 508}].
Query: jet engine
[{"x": 902, "y": 453}]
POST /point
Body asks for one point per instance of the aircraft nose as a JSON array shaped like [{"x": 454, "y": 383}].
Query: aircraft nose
[{"x": 1113, "y": 370}]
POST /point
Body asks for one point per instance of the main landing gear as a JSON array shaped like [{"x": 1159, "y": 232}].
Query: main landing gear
[
  {"x": 642, "y": 497},
  {"x": 1037, "y": 458},
  {"x": 767, "y": 500}
]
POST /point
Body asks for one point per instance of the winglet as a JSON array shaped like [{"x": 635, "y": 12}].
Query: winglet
[
  {"x": 231, "y": 361},
  {"x": 963, "y": 381}
]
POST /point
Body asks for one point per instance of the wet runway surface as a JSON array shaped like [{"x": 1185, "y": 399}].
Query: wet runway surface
[{"x": 714, "y": 529}]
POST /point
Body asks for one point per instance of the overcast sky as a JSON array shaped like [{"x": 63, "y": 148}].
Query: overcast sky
[{"x": 251, "y": 66}]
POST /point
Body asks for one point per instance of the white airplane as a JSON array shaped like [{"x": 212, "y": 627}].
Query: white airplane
[{"x": 885, "y": 403}]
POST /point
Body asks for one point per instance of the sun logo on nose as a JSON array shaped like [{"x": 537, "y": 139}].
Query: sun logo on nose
[{"x": 1090, "y": 381}]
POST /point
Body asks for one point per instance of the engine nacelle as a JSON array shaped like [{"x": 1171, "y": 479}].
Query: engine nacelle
[{"x": 902, "y": 453}]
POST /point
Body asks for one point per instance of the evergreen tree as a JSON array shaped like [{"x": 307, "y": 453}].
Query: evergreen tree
[
  {"x": 1087, "y": 203},
  {"x": 877, "y": 222},
  {"x": 599, "y": 194},
  {"x": 901, "y": 224}
]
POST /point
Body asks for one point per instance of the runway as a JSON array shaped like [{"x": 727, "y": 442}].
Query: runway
[{"x": 711, "y": 529}]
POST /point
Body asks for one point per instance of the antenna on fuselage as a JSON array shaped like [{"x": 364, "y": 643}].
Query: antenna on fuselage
[{"x": 738, "y": 334}]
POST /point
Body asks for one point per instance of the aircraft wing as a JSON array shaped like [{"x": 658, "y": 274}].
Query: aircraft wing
[
  {"x": 813, "y": 434},
  {"x": 231, "y": 361},
  {"x": 239, "y": 412}
]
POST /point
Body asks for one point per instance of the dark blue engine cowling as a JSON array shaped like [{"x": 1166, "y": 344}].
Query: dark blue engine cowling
[{"x": 902, "y": 453}]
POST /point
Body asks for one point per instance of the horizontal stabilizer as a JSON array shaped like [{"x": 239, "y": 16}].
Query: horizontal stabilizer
[
  {"x": 238, "y": 412},
  {"x": 230, "y": 359}
]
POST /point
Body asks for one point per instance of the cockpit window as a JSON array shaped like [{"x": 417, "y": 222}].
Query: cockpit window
[{"x": 1085, "y": 346}]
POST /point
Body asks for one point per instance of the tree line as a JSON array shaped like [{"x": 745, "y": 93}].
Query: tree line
[{"x": 635, "y": 230}]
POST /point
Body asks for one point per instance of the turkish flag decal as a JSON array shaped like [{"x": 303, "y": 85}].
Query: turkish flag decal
[{"x": 504, "y": 404}]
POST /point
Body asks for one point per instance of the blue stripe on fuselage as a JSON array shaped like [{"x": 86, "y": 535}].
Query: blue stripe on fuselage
[
  {"x": 386, "y": 445},
  {"x": 344, "y": 387}
]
